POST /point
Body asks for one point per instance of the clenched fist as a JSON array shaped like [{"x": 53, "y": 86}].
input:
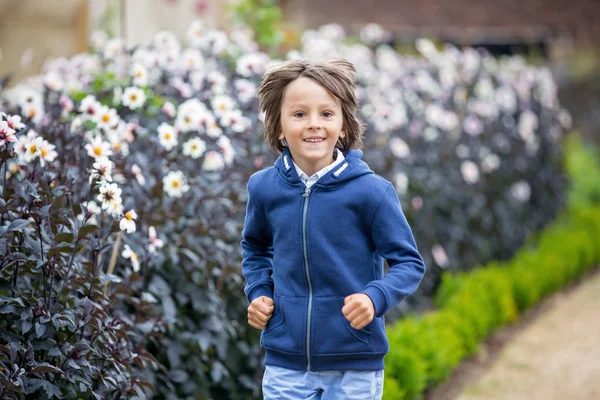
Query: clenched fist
[
  {"x": 358, "y": 310},
  {"x": 260, "y": 312}
]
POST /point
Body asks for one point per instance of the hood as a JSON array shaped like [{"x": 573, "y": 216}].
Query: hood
[{"x": 352, "y": 167}]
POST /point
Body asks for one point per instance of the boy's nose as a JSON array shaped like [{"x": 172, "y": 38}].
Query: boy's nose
[{"x": 313, "y": 123}]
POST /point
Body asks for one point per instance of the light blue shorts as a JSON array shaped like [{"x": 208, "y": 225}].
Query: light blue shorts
[{"x": 285, "y": 384}]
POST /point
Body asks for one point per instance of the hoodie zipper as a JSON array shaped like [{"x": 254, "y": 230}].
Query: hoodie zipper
[{"x": 306, "y": 196}]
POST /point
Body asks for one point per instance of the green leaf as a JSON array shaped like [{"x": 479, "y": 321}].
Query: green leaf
[
  {"x": 40, "y": 329},
  {"x": 86, "y": 230},
  {"x": 65, "y": 248},
  {"x": 19, "y": 224},
  {"x": 65, "y": 237}
]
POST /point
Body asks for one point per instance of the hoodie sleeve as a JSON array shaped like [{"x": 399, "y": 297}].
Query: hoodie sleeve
[
  {"x": 394, "y": 241},
  {"x": 257, "y": 252}
]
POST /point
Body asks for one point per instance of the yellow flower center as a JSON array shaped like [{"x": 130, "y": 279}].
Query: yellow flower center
[
  {"x": 129, "y": 216},
  {"x": 98, "y": 151},
  {"x": 32, "y": 148},
  {"x": 167, "y": 136},
  {"x": 194, "y": 147},
  {"x": 44, "y": 152},
  {"x": 134, "y": 255},
  {"x": 32, "y": 112},
  {"x": 187, "y": 120},
  {"x": 139, "y": 74},
  {"x": 133, "y": 97},
  {"x": 117, "y": 146},
  {"x": 175, "y": 184},
  {"x": 222, "y": 106},
  {"x": 105, "y": 118}
]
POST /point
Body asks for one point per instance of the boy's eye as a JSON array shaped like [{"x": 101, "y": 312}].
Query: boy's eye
[
  {"x": 299, "y": 114},
  {"x": 327, "y": 114}
]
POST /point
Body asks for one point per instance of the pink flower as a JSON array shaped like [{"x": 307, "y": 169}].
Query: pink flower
[{"x": 7, "y": 134}]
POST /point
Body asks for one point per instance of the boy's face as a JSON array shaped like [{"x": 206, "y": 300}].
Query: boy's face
[{"x": 311, "y": 123}]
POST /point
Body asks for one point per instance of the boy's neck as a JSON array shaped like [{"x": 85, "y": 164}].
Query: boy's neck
[{"x": 310, "y": 169}]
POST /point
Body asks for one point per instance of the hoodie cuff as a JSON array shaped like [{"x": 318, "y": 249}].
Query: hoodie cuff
[
  {"x": 262, "y": 290},
  {"x": 378, "y": 298}
]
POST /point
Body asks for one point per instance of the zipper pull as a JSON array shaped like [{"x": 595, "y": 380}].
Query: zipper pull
[{"x": 306, "y": 192}]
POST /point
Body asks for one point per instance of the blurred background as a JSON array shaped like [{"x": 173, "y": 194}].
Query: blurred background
[
  {"x": 469, "y": 106},
  {"x": 563, "y": 34}
]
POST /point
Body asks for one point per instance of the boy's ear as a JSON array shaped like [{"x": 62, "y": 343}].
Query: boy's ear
[
  {"x": 281, "y": 136},
  {"x": 343, "y": 134}
]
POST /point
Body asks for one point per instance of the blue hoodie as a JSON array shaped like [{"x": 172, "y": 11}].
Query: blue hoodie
[{"x": 308, "y": 249}]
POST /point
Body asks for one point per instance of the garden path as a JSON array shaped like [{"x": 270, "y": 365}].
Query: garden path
[{"x": 554, "y": 354}]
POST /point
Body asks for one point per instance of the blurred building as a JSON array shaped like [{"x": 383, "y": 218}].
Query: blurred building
[
  {"x": 32, "y": 31},
  {"x": 471, "y": 22}
]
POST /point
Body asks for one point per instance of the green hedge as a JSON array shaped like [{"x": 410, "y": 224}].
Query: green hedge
[{"x": 472, "y": 305}]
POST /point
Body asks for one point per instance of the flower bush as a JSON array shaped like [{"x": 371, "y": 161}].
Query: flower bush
[{"x": 154, "y": 146}]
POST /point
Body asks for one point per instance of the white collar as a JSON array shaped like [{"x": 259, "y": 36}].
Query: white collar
[{"x": 319, "y": 174}]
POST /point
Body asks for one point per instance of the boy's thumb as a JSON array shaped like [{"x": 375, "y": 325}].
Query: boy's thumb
[{"x": 347, "y": 299}]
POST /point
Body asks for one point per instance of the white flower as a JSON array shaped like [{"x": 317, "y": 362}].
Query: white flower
[
  {"x": 192, "y": 60},
  {"x": 47, "y": 153},
  {"x": 102, "y": 169},
  {"x": 472, "y": 125},
  {"x": 235, "y": 120},
  {"x": 110, "y": 196},
  {"x": 140, "y": 75},
  {"x": 439, "y": 256},
  {"x": 521, "y": 191},
  {"x": 373, "y": 34},
  {"x": 175, "y": 184},
  {"x": 490, "y": 163},
  {"x": 90, "y": 106},
  {"x": 53, "y": 81},
  {"x": 401, "y": 183},
  {"x": 34, "y": 112},
  {"x": 469, "y": 171},
  {"x": 213, "y": 161},
  {"x": 228, "y": 152},
  {"x": 7, "y": 134},
  {"x": 246, "y": 90},
  {"x": 106, "y": 117},
  {"x": 194, "y": 148},
  {"x": 132, "y": 257},
  {"x": 213, "y": 42},
  {"x": 127, "y": 223},
  {"x": 253, "y": 64},
  {"x": 333, "y": 32},
  {"x": 98, "y": 148},
  {"x": 34, "y": 148},
  {"x": 133, "y": 98},
  {"x": 222, "y": 104},
  {"x": 195, "y": 32},
  {"x": 137, "y": 171},
  {"x": 399, "y": 147},
  {"x": 155, "y": 242},
  {"x": 14, "y": 122},
  {"x": 98, "y": 40},
  {"x": 117, "y": 95},
  {"x": 169, "y": 109},
  {"x": 462, "y": 151},
  {"x": 167, "y": 136},
  {"x": 93, "y": 210},
  {"x": 112, "y": 48}
]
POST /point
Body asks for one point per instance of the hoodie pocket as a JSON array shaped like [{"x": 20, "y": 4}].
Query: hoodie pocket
[
  {"x": 285, "y": 330},
  {"x": 333, "y": 334}
]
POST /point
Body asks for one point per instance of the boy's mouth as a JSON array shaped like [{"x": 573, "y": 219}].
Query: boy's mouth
[{"x": 314, "y": 140}]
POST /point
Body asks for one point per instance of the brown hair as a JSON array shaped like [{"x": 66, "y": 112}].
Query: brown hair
[{"x": 336, "y": 75}]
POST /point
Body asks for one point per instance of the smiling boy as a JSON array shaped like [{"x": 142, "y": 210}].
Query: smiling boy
[{"x": 319, "y": 224}]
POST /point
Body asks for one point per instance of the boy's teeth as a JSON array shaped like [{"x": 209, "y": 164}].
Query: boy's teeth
[{"x": 313, "y": 140}]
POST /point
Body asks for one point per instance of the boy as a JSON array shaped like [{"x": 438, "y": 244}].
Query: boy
[{"x": 318, "y": 225}]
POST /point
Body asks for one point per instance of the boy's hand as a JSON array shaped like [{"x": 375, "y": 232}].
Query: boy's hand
[
  {"x": 260, "y": 312},
  {"x": 358, "y": 310}
]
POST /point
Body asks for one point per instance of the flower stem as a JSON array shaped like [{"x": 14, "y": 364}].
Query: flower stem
[{"x": 113, "y": 258}]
